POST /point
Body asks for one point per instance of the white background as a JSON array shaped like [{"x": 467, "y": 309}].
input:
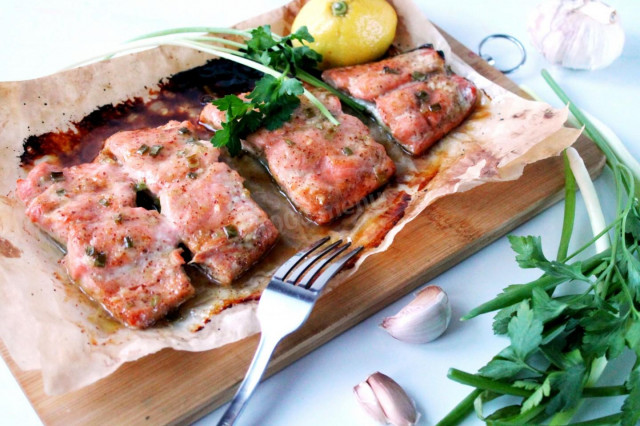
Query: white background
[{"x": 40, "y": 37}]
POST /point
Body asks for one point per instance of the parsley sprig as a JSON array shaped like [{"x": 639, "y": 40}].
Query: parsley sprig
[
  {"x": 273, "y": 100},
  {"x": 560, "y": 341},
  {"x": 276, "y": 94}
]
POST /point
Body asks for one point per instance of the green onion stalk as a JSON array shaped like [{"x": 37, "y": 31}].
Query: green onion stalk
[
  {"x": 201, "y": 39},
  {"x": 625, "y": 167}
]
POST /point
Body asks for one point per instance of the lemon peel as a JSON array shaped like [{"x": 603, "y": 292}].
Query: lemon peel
[{"x": 348, "y": 32}]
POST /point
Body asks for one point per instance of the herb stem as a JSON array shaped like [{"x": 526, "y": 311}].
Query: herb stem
[
  {"x": 214, "y": 30},
  {"x": 604, "y": 391},
  {"x": 229, "y": 54},
  {"x": 259, "y": 67},
  {"x": 486, "y": 383},
  {"x": 590, "y": 242},
  {"x": 601, "y": 421},
  {"x": 522, "y": 418},
  {"x": 546, "y": 282},
  {"x": 323, "y": 109},
  {"x": 614, "y": 150},
  {"x": 569, "y": 210},
  {"x": 308, "y": 78},
  {"x": 213, "y": 39},
  {"x": 591, "y": 201},
  {"x": 460, "y": 411},
  {"x": 590, "y": 129},
  {"x": 172, "y": 37}
]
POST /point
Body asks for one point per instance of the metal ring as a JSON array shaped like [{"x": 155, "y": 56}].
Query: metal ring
[{"x": 513, "y": 40}]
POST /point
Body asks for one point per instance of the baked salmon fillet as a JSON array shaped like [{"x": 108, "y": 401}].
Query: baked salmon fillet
[
  {"x": 123, "y": 256},
  {"x": 412, "y": 95},
  {"x": 130, "y": 265},
  {"x": 368, "y": 81},
  {"x": 58, "y": 198},
  {"x": 420, "y": 113},
  {"x": 323, "y": 169},
  {"x": 205, "y": 200}
]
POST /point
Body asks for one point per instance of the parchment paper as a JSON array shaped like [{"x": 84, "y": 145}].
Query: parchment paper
[{"x": 48, "y": 324}]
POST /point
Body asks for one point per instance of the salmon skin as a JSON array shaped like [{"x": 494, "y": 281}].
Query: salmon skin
[
  {"x": 414, "y": 96},
  {"x": 323, "y": 169},
  {"x": 127, "y": 257}
]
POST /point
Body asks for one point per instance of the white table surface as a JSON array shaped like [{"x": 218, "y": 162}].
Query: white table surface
[{"x": 41, "y": 36}]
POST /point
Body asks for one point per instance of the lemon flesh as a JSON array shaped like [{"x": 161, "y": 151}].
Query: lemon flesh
[{"x": 348, "y": 32}]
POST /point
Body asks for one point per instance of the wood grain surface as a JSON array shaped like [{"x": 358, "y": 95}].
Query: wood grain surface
[{"x": 447, "y": 232}]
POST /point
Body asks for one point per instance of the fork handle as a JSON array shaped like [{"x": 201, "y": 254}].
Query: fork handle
[{"x": 251, "y": 379}]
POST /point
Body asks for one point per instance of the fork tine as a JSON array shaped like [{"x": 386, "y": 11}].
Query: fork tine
[
  {"x": 288, "y": 266},
  {"x": 300, "y": 270},
  {"x": 308, "y": 278},
  {"x": 326, "y": 276},
  {"x": 310, "y": 282}
]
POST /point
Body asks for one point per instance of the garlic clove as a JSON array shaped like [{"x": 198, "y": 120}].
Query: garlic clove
[
  {"x": 369, "y": 402},
  {"x": 580, "y": 34},
  {"x": 424, "y": 319},
  {"x": 386, "y": 401}
]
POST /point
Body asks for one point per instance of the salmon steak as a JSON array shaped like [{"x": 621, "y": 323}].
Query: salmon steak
[
  {"x": 414, "y": 96},
  {"x": 421, "y": 113},
  {"x": 323, "y": 169},
  {"x": 123, "y": 256},
  {"x": 130, "y": 264},
  {"x": 368, "y": 81},
  {"x": 58, "y": 198},
  {"x": 205, "y": 200}
]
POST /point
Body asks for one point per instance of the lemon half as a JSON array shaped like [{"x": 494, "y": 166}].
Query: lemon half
[{"x": 348, "y": 32}]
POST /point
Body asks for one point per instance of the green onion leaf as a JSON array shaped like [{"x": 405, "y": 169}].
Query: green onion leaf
[
  {"x": 57, "y": 176},
  {"x": 127, "y": 242},
  {"x": 230, "y": 231},
  {"x": 155, "y": 150},
  {"x": 100, "y": 260},
  {"x": 140, "y": 186}
]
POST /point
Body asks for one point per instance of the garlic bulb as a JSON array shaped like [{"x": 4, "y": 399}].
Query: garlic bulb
[
  {"x": 582, "y": 34},
  {"x": 386, "y": 401},
  {"x": 424, "y": 319}
]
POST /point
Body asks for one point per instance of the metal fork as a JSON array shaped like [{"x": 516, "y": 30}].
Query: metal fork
[{"x": 285, "y": 305}]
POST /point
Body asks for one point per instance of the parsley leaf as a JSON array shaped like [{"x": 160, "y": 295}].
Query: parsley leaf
[
  {"x": 568, "y": 384},
  {"x": 501, "y": 368},
  {"x": 261, "y": 42},
  {"x": 604, "y": 334},
  {"x": 241, "y": 120},
  {"x": 633, "y": 276},
  {"x": 273, "y": 100},
  {"x": 632, "y": 336},
  {"x": 504, "y": 412},
  {"x": 502, "y": 318},
  {"x": 633, "y": 225},
  {"x": 536, "y": 397},
  {"x": 544, "y": 307},
  {"x": 525, "y": 331},
  {"x": 530, "y": 255},
  {"x": 631, "y": 405}
]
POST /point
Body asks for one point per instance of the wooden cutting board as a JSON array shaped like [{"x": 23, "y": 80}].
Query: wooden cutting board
[{"x": 447, "y": 232}]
